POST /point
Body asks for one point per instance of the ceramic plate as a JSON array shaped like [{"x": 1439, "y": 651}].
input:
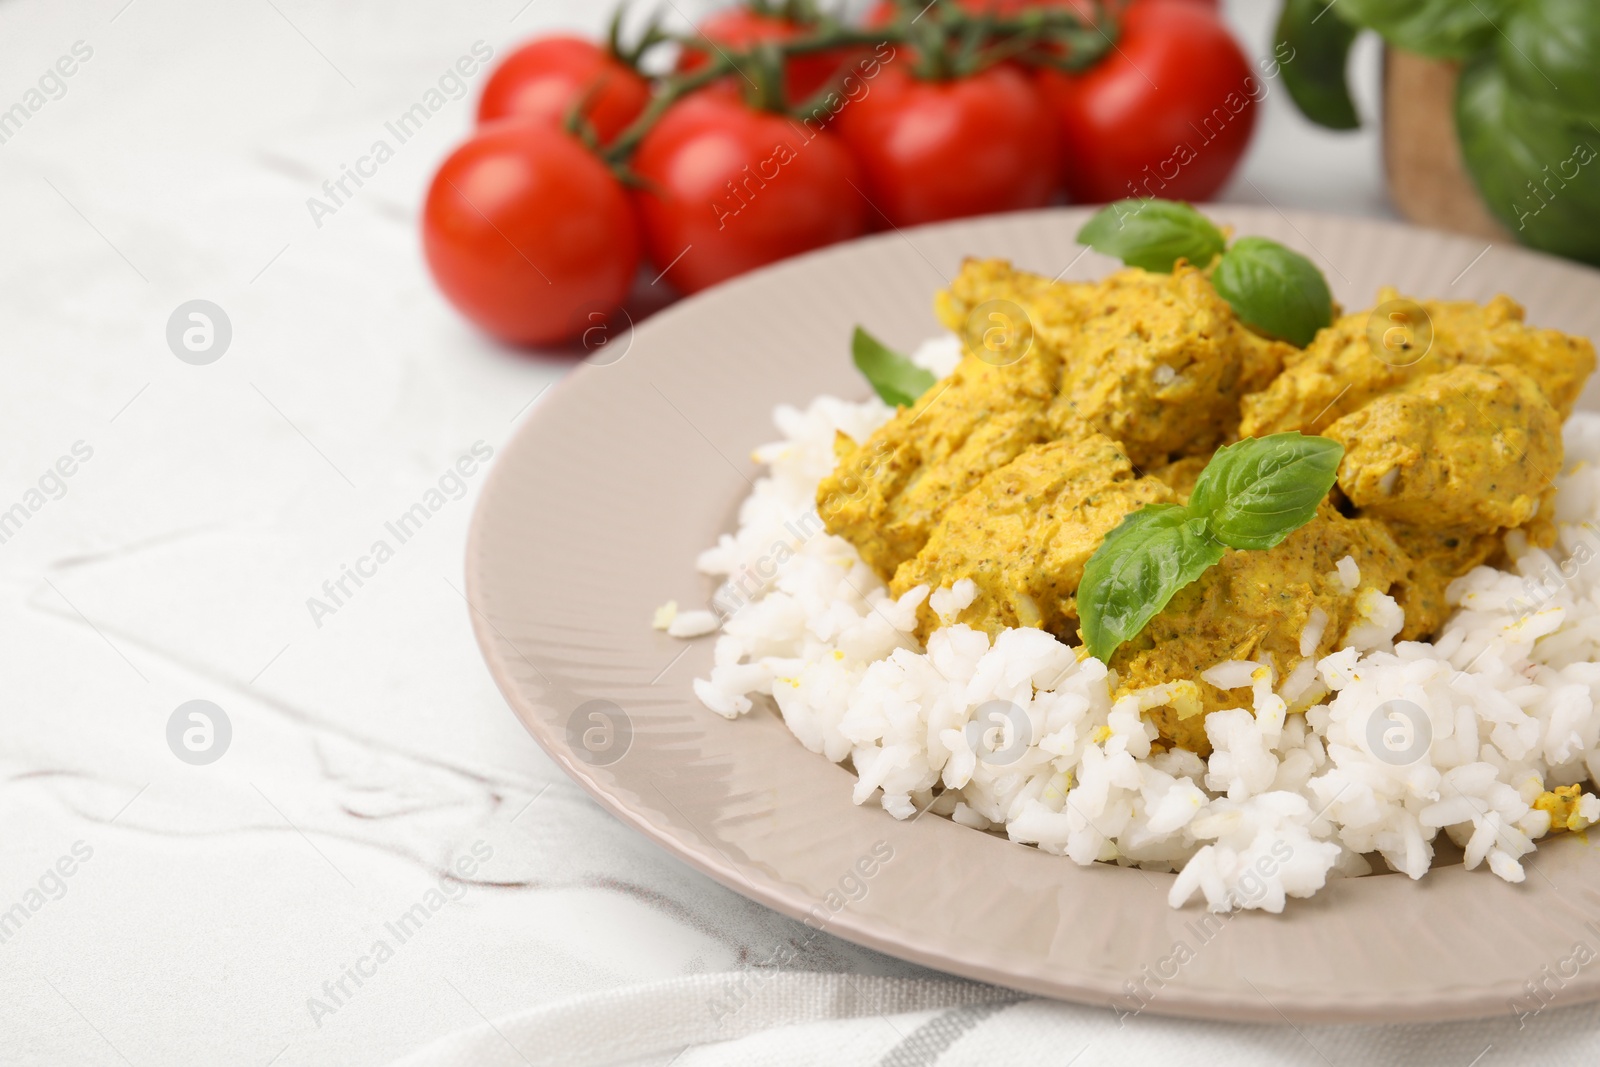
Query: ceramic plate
[{"x": 593, "y": 516}]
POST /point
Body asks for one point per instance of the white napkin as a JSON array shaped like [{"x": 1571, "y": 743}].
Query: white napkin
[{"x": 775, "y": 1019}]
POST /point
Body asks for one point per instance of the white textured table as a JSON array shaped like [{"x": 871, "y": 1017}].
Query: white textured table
[{"x": 163, "y": 526}]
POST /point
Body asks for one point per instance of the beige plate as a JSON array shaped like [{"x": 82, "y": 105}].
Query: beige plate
[{"x": 594, "y": 513}]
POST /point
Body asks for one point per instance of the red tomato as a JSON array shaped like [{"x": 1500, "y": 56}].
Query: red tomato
[
  {"x": 942, "y": 150},
  {"x": 545, "y": 78},
  {"x": 529, "y": 234},
  {"x": 733, "y": 188},
  {"x": 740, "y": 28},
  {"x": 1168, "y": 114}
]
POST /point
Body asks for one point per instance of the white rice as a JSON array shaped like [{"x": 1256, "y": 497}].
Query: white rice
[{"x": 1017, "y": 735}]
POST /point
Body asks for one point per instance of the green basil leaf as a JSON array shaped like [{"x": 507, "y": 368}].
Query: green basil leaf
[
  {"x": 1153, "y": 234},
  {"x": 1549, "y": 52},
  {"x": 1443, "y": 29},
  {"x": 1137, "y": 569},
  {"x": 1255, "y": 493},
  {"x": 1535, "y": 165},
  {"x": 1251, "y": 496},
  {"x": 895, "y": 378},
  {"x": 1319, "y": 46},
  {"x": 1275, "y": 290}
]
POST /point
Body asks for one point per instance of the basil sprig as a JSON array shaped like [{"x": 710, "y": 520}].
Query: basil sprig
[
  {"x": 1153, "y": 234},
  {"x": 893, "y": 376},
  {"x": 1274, "y": 290},
  {"x": 1250, "y": 496},
  {"x": 1527, "y": 105}
]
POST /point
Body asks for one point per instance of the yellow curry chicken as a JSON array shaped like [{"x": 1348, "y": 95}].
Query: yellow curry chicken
[{"x": 1114, "y": 394}]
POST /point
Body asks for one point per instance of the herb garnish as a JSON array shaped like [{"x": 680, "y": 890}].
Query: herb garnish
[
  {"x": 1274, "y": 290},
  {"x": 1250, "y": 496},
  {"x": 1153, "y": 234},
  {"x": 897, "y": 380}
]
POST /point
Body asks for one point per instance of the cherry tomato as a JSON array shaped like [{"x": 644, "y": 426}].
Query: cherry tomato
[
  {"x": 546, "y": 78},
  {"x": 1168, "y": 114},
  {"x": 740, "y": 28},
  {"x": 732, "y": 188},
  {"x": 943, "y": 150},
  {"x": 528, "y": 234}
]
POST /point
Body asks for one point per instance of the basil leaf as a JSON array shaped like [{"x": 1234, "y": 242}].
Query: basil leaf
[
  {"x": 1549, "y": 52},
  {"x": 1275, "y": 290},
  {"x": 1251, "y": 496},
  {"x": 1255, "y": 493},
  {"x": 1319, "y": 47},
  {"x": 1443, "y": 29},
  {"x": 1535, "y": 166},
  {"x": 1137, "y": 569},
  {"x": 894, "y": 377},
  {"x": 1153, "y": 234}
]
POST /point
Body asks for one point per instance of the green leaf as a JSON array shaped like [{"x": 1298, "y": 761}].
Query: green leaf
[
  {"x": 1535, "y": 165},
  {"x": 1250, "y": 497},
  {"x": 1137, "y": 570},
  {"x": 1443, "y": 29},
  {"x": 1319, "y": 49},
  {"x": 895, "y": 378},
  {"x": 1549, "y": 52},
  {"x": 1275, "y": 290},
  {"x": 1255, "y": 493},
  {"x": 1153, "y": 234}
]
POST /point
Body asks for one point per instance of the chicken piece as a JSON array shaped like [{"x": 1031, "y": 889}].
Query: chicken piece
[
  {"x": 1156, "y": 362},
  {"x": 1438, "y": 555},
  {"x": 1051, "y": 310},
  {"x": 1477, "y": 448},
  {"x": 1160, "y": 365},
  {"x": 1181, "y": 474},
  {"x": 1025, "y": 532},
  {"x": 1344, "y": 368},
  {"x": 886, "y": 495},
  {"x": 1254, "y": 606},
  {"x": 1260, "y": 362}
]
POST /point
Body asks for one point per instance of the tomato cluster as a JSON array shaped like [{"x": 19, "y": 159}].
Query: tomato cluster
[{"x": 782, "y": 130}]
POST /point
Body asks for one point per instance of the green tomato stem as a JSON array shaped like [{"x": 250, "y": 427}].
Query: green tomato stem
[
  {"x": 673, "y": 90},
  {"x": 980, "y": 41}
]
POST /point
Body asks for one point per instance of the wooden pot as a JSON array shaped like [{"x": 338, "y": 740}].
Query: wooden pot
[{"x": 1428, "y": 180}]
